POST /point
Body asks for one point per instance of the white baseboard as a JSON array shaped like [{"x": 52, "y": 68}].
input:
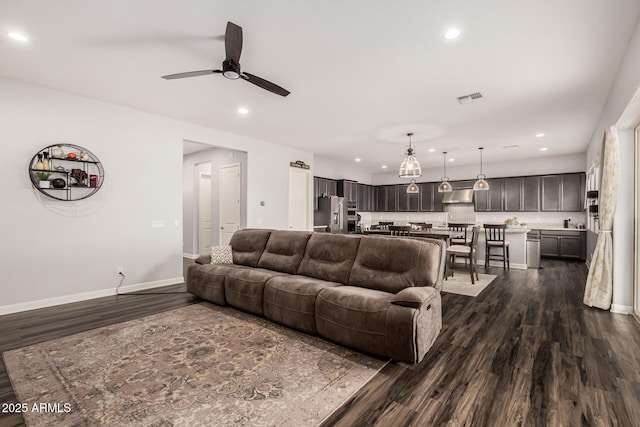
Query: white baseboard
[
  {"x": 66, "y": 299},
  {"x": 622, "y": 309},
  {"x": 190, "y": 256}
]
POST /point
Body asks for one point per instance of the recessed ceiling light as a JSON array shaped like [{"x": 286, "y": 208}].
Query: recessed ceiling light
[
  {"x": 431, "y": 150},
  {"x": 384, "y": 166},
  {"x": 357, "y": 159},
  {"x": 544, "y": 149},
  {"x": 451, "y": 160},
  {"x": 539, "y": 135},
  {"x": 18, "y": 37},
  {"x": 244, "y": 111},
  {"x": 451, "y": 34}
]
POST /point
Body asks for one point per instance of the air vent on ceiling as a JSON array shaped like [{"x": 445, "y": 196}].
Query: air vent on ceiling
[
  {"x": 511, "y": 146},
  {"x": 468, "y": 99}
]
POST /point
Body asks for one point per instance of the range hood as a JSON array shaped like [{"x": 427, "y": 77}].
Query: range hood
[{"x": 462, "y": 195}]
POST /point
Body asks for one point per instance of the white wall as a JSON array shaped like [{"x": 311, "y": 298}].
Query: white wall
[
  {"x": 535, "y": 166},
  {"x": 622, "y": 92},
  {"x": 338, "y": 169},
  {"x": 54, "y": 252},
  {"x": 213, "y": 158}
]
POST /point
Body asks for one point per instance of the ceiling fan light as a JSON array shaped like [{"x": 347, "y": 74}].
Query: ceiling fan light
[
  {"x": 412, "y": 188},
  {"x": 230, "y": 74}
]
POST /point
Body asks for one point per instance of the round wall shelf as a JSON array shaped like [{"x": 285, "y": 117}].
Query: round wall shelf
[{"x": 66, "y": 172}]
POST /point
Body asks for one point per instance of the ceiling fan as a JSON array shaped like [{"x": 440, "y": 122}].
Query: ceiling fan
[{"x": 231, "y": 65}]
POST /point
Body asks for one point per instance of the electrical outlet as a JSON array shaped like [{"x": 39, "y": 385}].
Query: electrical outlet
[{"x": 120, "y": 270}]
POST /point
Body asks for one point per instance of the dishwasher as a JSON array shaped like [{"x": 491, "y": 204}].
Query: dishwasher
[{"x": 533, "y": 249}]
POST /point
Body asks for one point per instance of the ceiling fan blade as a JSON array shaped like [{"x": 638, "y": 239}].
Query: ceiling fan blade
[
  {"x": 264, "y": 84},
  {"x": 233, "y": 42},
  {"x": 190, "y": 74}
]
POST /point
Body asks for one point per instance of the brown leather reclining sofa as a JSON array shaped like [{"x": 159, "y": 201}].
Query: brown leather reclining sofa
[{"x": 379, "y": 295}]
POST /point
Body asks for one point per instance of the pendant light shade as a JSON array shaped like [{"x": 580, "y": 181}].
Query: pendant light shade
[
  {"x": 413, "y": 187},
  {"x": 481, "y": 184},
  {"x": 410, "y": 167},
  {"x": 445, "y": 186}
]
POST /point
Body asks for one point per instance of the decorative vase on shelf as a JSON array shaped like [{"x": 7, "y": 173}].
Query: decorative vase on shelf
[
  {"x": 46, "y": 165},
  {"x": 39, "y": 165}
]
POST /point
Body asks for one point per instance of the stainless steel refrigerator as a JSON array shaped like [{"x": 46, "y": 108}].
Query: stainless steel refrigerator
[{"x": 332, "y": 212}]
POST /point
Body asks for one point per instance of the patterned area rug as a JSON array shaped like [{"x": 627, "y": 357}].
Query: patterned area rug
[
  {"x": 201, "y": 365},
  {"x": 460, "y": 283}
]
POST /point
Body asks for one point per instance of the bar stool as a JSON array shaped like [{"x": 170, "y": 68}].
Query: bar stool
[
  {"x": 467, "y": 251},
  {"x": 384, "y": 225},
  {"x": 462, "y": 228},
  {"x": 494, "y": 235}
]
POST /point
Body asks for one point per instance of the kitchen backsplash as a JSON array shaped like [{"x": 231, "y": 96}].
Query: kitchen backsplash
[{"x": 548, "y": 218}]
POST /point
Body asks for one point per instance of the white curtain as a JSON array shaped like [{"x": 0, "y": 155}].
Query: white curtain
[{"x": 599, "y": 287}]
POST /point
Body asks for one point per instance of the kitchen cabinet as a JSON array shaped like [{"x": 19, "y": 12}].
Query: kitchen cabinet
[
  {"x": 387, "y": 201},
  {"x": 563, "y": 244},
  {"x": 348, "y": 190},
  {"x": 366, "y": 198},
  {"x": 490, "y": 200},
  {"x": 562, "y": 193},
  {"x": 521, "y": 194},
  {"x": 323, "y": 186},
  {"x": 430, "y": 199},
  {"x": 407, "y": 202}
]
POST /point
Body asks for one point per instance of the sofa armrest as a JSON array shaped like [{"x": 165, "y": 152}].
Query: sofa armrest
[
  {"x": 203, "y": 259},
  {"x": 415, "y": 297}
]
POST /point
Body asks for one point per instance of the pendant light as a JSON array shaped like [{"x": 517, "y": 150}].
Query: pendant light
[
  {"x": 481, "y": 184},
  {"x": 410, "y": 167},
  {"x": 412, "y": 188},
  {"x": 445, "y": 186}
]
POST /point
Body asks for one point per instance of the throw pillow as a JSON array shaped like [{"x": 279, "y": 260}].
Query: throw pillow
[{"x": 221, "y": 255}]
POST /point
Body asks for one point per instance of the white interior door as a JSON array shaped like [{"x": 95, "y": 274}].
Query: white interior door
[
  {"x": 205, "y": 232},
  {"x": 229, "y": 202},
  {"x": 298, "y": 199}
]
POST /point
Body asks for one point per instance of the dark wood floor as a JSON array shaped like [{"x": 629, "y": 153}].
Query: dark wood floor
[{"x": 524, "y": 352}]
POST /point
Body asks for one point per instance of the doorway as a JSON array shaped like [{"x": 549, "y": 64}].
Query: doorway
[
  {"x": 205, "y": 232},
  {"x": 230, "y": 195},
  {"x": 299, "y": 199}
]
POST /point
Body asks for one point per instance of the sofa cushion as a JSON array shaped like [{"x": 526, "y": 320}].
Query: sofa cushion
[
  {"x": 207, "y": 281},
  {"x": 392, "y": 264},
  {"x": 248, "y": 245},
  {"x": 244, "y": 288},
  {"x": 329, "y": 257},
  {"x": 353, "y": 316},
  {"x": 291, "y": 300},
  {"x": 284, "y": 251}
]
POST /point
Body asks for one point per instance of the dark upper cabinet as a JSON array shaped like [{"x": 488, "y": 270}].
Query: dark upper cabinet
[
  {"x": 426, "y": 197},
  {"x": 366, "y": 198},
  {"x": 348, "y": 190},
  {"x": 430, "y": 199},
  {"x": 332, "y": 187},
  {"x": 490, "y": 200},
  {"x": 531, "y": 194},
  {"x": 550, "y": 193},
  {"x": 387, "y": 198},
  {"x": 562, "y": 192},
  {"x": 572, "y": 199},
  {"x": 522, "y": 194},
  {"x": 407, "y": 202},
  {"x": 323, "y": 186}
]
